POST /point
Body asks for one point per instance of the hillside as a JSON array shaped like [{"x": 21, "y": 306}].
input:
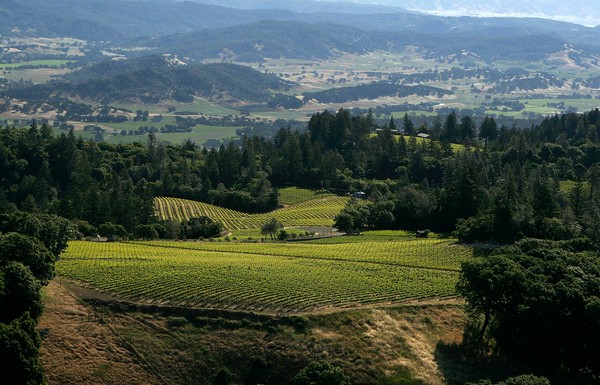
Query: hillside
[
  {"x": 265, "y": 349},
  {"x": 156, "y": 78},
  {"x": 494, "y": 39}
]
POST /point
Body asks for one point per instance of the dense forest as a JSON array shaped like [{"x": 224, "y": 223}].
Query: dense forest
[
  {"x": 152, "y": 79},
  {"x": 483, "y": 181},
  {"x": 487, "y": 181}
]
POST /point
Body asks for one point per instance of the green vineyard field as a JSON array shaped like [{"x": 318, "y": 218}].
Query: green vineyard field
[
  {"x": 285, "y": 278},
  {"x": 313, "y": 212},
  {"x": 295, "y": 195}
]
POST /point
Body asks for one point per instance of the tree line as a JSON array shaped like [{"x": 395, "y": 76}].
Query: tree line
[{"x": 485, "y": 181}]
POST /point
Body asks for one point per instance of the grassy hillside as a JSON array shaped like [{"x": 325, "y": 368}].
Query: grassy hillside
[{"x": 142, "y": 345}]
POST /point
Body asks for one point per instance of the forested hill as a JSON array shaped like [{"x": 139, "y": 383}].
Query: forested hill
[
  {"x": 285, "y": 39},
  {"x": 115, "y": 19},
  {"x": 156, "y": 78},
  {"x": 272, "y": 39},
  {"x": 254, "y": 32}
]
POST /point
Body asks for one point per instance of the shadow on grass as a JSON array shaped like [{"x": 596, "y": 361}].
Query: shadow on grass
[{"x": 462, "y": 364}]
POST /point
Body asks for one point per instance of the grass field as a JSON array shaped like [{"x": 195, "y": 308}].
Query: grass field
[
  {"x": 199, "y": 134},
  {"x": 37, "y": 63},
  {"x": 269, "y": 277},
  {"x": 313, "y": 212}
]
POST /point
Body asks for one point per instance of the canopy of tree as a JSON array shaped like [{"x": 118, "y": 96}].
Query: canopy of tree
[
  {"x": 152, "y": 79},
  {"x": 540, "y": 302}
]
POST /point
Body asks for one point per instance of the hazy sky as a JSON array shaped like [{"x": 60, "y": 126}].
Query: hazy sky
[{"x": 586, "y": 12}]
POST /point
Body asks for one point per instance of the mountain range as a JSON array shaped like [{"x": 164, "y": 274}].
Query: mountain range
[{"x": 585, "y": 12}]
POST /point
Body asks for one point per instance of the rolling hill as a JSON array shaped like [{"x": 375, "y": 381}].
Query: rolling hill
[
  {"x": 156, "y": 78},
  {"x": 514, "y": 40}
]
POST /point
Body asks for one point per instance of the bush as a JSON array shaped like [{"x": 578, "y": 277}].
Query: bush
[
  {"x": 321, "y": 373},
  {"x": 475, "y": 229},
  {"x": 201, "y": 227}
]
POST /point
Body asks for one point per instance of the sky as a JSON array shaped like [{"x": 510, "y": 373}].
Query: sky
[{"x": 585, "y": 12}]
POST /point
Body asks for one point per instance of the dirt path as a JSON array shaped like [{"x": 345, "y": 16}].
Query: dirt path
[{"x": 81, "y": 349}]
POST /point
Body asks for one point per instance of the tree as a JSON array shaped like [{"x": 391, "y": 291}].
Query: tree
[
  {"x": 145, "y": 232},
  {"x": 201, "y": 227},
  {"x": 53, "y": 231},
  {"x": 321, "y": 373},
  {"x": 112, "y": 231},
  {"x": 271, "y": 227},
  {"x": 467, "y": 127},
  {"x": 490, "y": 286},
  {"x": 488, "y": 130},
  {"x": 385, "y": 220},
  {"x": 19, "y": 344},
  {"x": 30, "y": 252},
  {"x": 409, "y": 127},
  {"x": 344, "y": 222},
  {"x": 450, "y": 132},
  {"x": 19, "y": 293}
]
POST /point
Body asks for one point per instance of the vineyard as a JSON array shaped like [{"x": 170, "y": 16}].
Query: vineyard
[
  {"x": 313, "y": 212},
  {"x": 295, "y": 195},
  {"x": 268, "y": 277}
]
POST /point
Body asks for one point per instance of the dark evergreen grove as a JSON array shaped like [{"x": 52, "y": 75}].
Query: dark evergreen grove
[
  {"x": 502, "y": 183},
  {"x": 533, "y": 301}
]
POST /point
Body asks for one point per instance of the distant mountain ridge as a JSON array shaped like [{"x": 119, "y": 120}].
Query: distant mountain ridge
[
  {"x": 585, "y": 12},
  {"x": 120, "y": 20},
  {"x": 513, "y": 40}
]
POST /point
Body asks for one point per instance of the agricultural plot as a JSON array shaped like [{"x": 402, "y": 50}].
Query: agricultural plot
[
  {"x": 313, "y": 212},
  {"x": 268, "y": 277},
  {"x": 294, "y": 195}
]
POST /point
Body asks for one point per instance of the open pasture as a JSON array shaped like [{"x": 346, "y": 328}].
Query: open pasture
[{"x": 268, "y": 277}]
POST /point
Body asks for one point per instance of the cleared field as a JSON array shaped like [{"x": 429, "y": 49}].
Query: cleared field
[
  {"x": 314, "y": 212},
  {"x": 199, "y": 134},
  {"x": 36, "y": 63},
  {"x": 268, "y": 277}
]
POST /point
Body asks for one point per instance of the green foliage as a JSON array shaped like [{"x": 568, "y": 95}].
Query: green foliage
[
  {"x": 153, "y": 79},
  {"x": 271, "y": 227},
  {"x": 53, "y": 231},
  {"x": 111, "y": 231},
  {"x": 30, "y": 252},
  {"x": 19, "y": 293},
  {"x": 147, "y": 232},
  {"x": 321, "y": 373},
  {"x": 475, "y": 228},
  {"x": 344, "y": 222},
  {"x": 374, "y": 91},
  {"x": 525, "y": 379},
  {"x": 19, "y": 344},
  {"x": 534, "y": 290},
  {"x": 201, "y": 227}
]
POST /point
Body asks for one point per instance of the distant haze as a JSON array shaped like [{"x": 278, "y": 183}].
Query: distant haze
[{"x": 585, "y": 12}]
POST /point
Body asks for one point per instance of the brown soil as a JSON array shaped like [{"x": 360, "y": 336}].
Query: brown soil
[{"x": 80, "y": 348}]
